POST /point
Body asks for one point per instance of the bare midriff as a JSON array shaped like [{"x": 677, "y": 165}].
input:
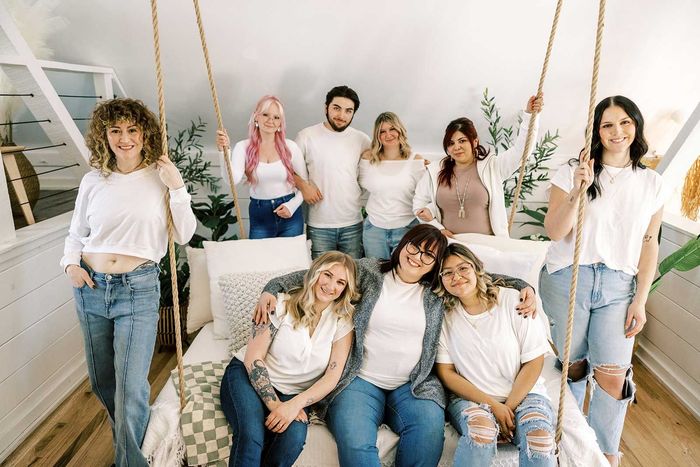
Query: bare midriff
[{"x": 112, "y": 263}]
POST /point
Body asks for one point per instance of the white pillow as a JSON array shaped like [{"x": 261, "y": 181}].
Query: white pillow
[
  {"x": 240, "y": 292},
  {"x": 199, "y": 311},
  {"x": 268, "y": 254}
]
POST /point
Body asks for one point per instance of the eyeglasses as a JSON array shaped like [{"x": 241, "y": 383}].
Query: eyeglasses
[
  {"x": 463, "y": 270},
  {"x": 425, "y": 257}
]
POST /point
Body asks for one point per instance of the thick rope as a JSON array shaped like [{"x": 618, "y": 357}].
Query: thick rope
[
  {"x": 171, "y": 244},
  {"x": 533, "y": 116},
  {"x": 579, "y": 222},
  {"x": 219, "y": 119}
]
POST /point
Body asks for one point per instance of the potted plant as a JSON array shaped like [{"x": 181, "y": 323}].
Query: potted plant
[{"x": 187, "y": 154}]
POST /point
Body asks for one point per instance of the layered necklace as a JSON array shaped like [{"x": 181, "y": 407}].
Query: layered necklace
[
  {"x": 610, "y": 176},
  {"x": 463, "y": 196}
]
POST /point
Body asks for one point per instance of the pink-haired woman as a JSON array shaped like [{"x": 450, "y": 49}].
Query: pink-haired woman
[{"x": 268, "y": 161}]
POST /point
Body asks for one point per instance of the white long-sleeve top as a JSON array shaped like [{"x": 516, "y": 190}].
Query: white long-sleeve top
[
  {"x": 271, "y": 177},
  {"x": 126, "y": 214},
  {"x": 492, "y": 171}
]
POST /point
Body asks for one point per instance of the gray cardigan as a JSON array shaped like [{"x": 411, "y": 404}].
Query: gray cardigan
[{"x": 424, "y": 383}]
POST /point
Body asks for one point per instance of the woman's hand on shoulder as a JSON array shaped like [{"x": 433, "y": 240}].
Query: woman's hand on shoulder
[
  {"x": 534, "y": 104},
  {"x": 222, "y": 140},
  {"x": 79, "y": 276},
  {"x": 366, "y": 154},
  {"x": 266, "y": 305},
  {"x": 426, "y": 162},
  {"x": 528, "y": 303},
  {"x": 425, "y": 215},
  {"x": 169, "y": 174},
  {"x": 448, "y": 233}
]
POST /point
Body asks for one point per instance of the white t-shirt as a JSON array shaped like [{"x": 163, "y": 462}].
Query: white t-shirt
[
  {"x": 391, "y": 186},
  {"x": 295, "y": 360},
  {"x": 394, "y": 336},
  {"x": 126, "y": 214},
  {"x": 271, "y": 177},
  {"x": 332, "y": 158},
  {"x": 615, "y": 222},
  {"x": 489, "y": 349}
]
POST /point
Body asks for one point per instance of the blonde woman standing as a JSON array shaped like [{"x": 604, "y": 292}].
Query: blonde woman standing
[{"x": 389, "y": 172}]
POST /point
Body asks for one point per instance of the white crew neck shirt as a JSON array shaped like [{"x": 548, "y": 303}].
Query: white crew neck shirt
[
  {"x": 296, "y": 360},
  {"x": 126, "y": 214},
  {"x": 394, "y": 336},
  {"x": 391, "y": 186},
  {"x": 615, "y": 222},
  {"x": 332, "y": 159},
  {"x": 271, "y": 177},
  {"x": 489, "y": 349}
]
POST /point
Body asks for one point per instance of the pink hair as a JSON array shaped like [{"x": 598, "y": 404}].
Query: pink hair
[{"x": 253, "y": 151}]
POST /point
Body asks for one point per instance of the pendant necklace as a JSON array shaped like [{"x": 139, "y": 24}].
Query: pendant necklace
[
  {"x": 462, "y": 198},
  {"x": 610, "y": 176}
]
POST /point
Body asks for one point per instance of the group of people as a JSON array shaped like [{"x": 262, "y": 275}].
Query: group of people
[{"x": 414, "y": 332}]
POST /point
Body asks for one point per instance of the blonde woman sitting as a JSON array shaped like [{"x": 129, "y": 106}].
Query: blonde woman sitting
[
  {"x": 490, "y": 359},
  {"x": 291, "y": 362}
]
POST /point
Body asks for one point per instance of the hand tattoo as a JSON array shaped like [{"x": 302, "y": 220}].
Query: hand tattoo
[{"x": 260, "y": 380}]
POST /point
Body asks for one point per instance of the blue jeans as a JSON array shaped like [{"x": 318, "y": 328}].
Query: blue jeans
[
  {"x": 378, "y": 242},
  {"x": 533, "y": 413},
  {"x": 253, "y": 444},
  {"x": 359, "y": 409},
  {"x": 119, "y": 319},
  {"x": 264, "y": 223},
  {"x": 602, "y": 298},
  {"x": 346, "y": 239}
]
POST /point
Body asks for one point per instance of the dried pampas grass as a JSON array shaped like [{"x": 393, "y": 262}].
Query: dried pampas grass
[{"x": 690, "y": 198}]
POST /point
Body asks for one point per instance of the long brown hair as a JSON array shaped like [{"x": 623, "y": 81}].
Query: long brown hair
[
  {"x": 447, "y": 165},
  {"x": 111, "y": 112}
]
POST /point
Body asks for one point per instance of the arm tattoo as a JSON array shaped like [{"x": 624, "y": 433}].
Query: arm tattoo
[
  {"x": 309, "y": 401},
  {"x": 332, "y": 366},
  {"x": 259, "y": 328},
  {"x": 260, "y": 380},
  {"x": 508, "y": 281},
  {"x": 647, "y": 238}
]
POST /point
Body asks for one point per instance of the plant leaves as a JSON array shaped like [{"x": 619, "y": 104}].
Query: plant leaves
[{"x": 685, "y": 258}]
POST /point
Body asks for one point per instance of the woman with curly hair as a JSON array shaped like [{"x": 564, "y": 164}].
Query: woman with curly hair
[
  {"x": 290, "y": 364},
  {"x": 117, "y": 236},
  {"x": 490, "y": 359},
  {"x": 268, "y": 161},
  {"x": 389, "y": 171}
]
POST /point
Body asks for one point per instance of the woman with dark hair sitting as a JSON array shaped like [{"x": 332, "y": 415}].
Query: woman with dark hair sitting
[
  {"x": 464, "y": 193},
  {"x": 490, "y": 359},
  {"x": 389, "y": 378},
  {"x": 290, "y": 364},
  {"x": 617, "y": 263}
]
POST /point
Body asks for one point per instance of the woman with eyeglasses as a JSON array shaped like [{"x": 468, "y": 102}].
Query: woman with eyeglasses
[
  {"x": 490, "y": 360},
  {"x": 388, "y": 377}
]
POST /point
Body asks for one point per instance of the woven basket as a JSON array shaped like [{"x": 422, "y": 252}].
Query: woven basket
[{"x": 166, "y": 326}]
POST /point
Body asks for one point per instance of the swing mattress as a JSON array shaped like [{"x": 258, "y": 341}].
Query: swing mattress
[{"x": 578, "y": 448}]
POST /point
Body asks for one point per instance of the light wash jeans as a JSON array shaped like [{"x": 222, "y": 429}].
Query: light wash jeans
[
  {"x": 346, "y": 239},
  {"x": 119, "y": 319},
  {"x": 470, "y": 452},
  {"x": 264, "y": 223},
  {"x": 359, "y": 409},
  {"x": 378, "y": 242},
  {"x": 602, "y": 298},
  {"x": 253, "y": 444}
]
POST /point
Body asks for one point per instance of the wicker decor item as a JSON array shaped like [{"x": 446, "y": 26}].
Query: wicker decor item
[
  {"x": 30, "y": 180},
  {"x": 690, "y": 198},
  {"x": 166, "y": 325}
]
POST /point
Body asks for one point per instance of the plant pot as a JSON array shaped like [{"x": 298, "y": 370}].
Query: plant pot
[
  {"x": 165, "y": 337},
  {"x": 30, "y": 180}
]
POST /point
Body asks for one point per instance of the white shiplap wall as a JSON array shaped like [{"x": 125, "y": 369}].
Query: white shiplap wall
[
  {"x": 670, "y": 343},
  {"x": 41, "y": 346}
]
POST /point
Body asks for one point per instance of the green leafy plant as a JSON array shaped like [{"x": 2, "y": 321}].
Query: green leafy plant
[
  {"x": 216, "y": 215},
  {"x": 684, "y": 259},
  {"x": 501, "y": 138}
]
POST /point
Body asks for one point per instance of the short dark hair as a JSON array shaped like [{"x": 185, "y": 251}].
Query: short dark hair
[
  {"x": 422, "y": 234},
  {"x": 343, "y": 91}
]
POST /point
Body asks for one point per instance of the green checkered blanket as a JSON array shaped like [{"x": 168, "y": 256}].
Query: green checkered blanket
[{"x": 206, "y": 432}]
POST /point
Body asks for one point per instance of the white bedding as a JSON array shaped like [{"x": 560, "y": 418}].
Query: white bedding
[{"x": 579, "y": 447}]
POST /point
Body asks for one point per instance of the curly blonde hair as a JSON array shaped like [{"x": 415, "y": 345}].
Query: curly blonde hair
[
  {"x": 486, "y": 288},
  {"x": 301, "y": 301},
  {"x": 376, "y": 148},
  {"x": 111, "y": 112}
]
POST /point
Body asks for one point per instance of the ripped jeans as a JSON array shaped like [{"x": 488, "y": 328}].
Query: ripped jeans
[
  {"x": 479, "y": 432},
  {"x": 598, "y": 339}
]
